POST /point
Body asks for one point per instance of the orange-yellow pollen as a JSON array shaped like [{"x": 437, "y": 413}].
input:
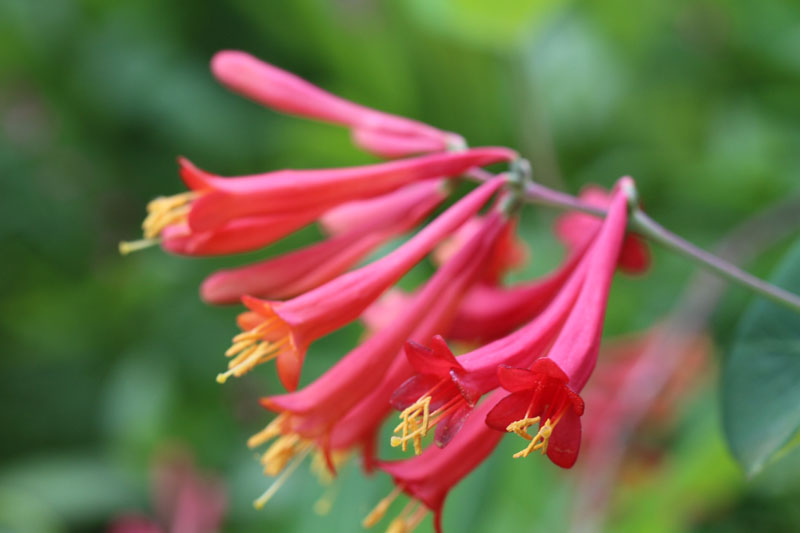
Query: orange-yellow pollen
[
  {"x": 282, "y": 457},
  {"x": 538, "y": 441},
  {"x": 417, "y": 420},
  {"x": 415, "y": 424},
  {"x": 250, "y": 349},
  {"x": 165, "y": 211},
  {"x": 161, "y": 212}
]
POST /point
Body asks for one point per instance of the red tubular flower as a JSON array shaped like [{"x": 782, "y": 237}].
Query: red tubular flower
[
  {"x": 284, "y": 330},
  {"x": 490, "y": 311},
  {"x": 381, "y": 133},
  {"x": 547, "y": 393},
  {"x": 445, "y": 388},
  {"x": 311, "y": 414},
  {"x": 241, "y": 235},
  {"x": 510, "y": 253},
  {"x": 428, "y": 478},
  {"x": 577, "y": 229},
  {"x": 361, "y": 425},
  {"x": 294, "y": 273},
  {"x": 291, "y": 191}
]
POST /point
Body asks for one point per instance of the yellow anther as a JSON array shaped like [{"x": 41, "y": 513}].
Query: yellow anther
[
  {"x": 270, "y": 492},
  {"x": 281, "y": 452},
  {"x": 165, "y": 211},
  {"x": 415, "y": 424},
  {"x": 249, "y": 356},
  {"x": 272, "y": 430},
  {"x": 538, "y": 441},
  {"x": 379, "y": 511}
]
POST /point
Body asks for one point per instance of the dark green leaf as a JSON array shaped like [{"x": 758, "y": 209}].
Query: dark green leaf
[{"x": 761, "y": 377}]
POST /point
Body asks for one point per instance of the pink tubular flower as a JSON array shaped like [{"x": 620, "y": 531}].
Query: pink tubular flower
[
  {"x": 309, "y": 416},
  {"x": 428, "y": 478},
  {"x": 381, "y": 133},
  {"x": 284, "y": 330},
  {"x": 547, "y": 392},
  {"x": 185, "y": 501},
  {"x": 290, "y": 191},
  {"x": 294, "y": 273},
  {"x": 576, "y": 229},
  {"x": 224, "y": 215}
]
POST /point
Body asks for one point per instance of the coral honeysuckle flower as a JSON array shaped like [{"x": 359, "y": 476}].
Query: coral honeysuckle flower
[
  {"x": 575, "y": 229},
  {"x": 378, "y": 132},
  {"x": 284, "y": 330},
  {"x": 296, "y": 272},
  {"x": 547, "y": 393},
  {"x": 308, "y": 416},
  {"x": 427, "y": 479},
  {"x": 446, "y": 388},
  {"x": 489, "y": 311},
  {"x": 231, "y": 212},
  {"x": 510, "y": 253},
  {"x": 215, "y": 201}
]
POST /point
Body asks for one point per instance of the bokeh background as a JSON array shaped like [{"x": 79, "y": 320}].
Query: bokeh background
[{"x": 108, "y": 361}]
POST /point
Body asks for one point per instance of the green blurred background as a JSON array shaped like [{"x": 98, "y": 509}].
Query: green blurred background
[{"x": 109, "y": 360}]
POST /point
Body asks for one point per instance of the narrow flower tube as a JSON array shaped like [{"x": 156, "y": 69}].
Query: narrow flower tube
[
  {"x": 220, "y": 200},
  {"x": 576, "y": 230},
  {"x": 428, "y": 479},
  {"x": 296, "y": 272},
  {"x": 314, "y": 412},
  {"x": 376, "y": 131},
  {"x": 388, "y": 207},
  {"x": 237, "y": 236},
  {"x": 547, "y": 393},
  {"x": 284, "y": 330}
]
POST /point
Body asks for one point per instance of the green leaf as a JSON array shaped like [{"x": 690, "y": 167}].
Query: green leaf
[{"x": 761, "y": 378}]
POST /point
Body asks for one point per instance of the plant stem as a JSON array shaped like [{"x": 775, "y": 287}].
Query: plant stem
[{"x": 642, "y": 224}]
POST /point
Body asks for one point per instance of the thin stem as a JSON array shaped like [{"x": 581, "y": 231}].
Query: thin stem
[{"x": 642, "y": 224}]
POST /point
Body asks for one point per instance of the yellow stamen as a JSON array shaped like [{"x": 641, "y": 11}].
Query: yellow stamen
[
  {"x": 379, "y": 511},
  {"x": 417, "y": 420},
  {"x": 270, "y": 492},
  {"x": 281, "y": 452},
  {"x": 164, "y": 211},
  {"x": 250, "y": 355},
  {"x": 126, "y": 247},
  {"x": 538, "y": 441},
  {"x": 414, "y": 425},
  {"x": 325, "y": 503},
  {"x": 408, "y": 519},
  {"x": 272, "y": 430}
]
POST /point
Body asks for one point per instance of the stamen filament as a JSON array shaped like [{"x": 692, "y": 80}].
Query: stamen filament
[
  {"x": 126, "y": 247},
  {"x": 272, "y": 430},
  {"x": 379, "y": 511},
  {"x": 278, "y": 483}
]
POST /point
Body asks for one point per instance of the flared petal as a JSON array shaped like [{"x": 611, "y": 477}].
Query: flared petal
[
  {"x": 510, "y": 409},
  {"x": 565, "y": 441}
]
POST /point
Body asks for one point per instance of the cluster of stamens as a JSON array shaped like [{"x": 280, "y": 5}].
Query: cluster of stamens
[
  {"x": 249, "y": 349},
  {"x": 405, "y": 522},
  {"x": 161, "y": 212},
  {"x": 538, "y": 441},
  {"x": 417, "y": 420},
  {"x": 282, "y": 457}
]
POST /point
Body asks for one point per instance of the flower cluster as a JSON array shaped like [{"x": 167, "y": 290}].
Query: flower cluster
[{"x": 531, "y": 346}]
